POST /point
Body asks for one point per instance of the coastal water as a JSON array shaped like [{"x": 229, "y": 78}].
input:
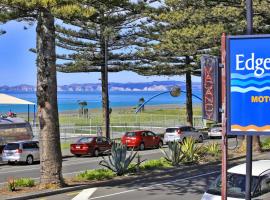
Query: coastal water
[{"x": 68, "y": 101}]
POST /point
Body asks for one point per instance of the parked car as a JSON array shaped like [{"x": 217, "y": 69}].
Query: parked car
[
  {"x": 236, "y": 183},
  {"x": 141, "y": 139},
  {"x": 93, "y": 146},
  {"x": 180, "y": 133},
  {"x": 21, "y": 151},
  {"x": 215, "y": 131}
]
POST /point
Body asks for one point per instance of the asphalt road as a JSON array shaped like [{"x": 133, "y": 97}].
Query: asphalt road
[
  {"x": 190, "y": 184},
  {"x": 71, "y": 166}
]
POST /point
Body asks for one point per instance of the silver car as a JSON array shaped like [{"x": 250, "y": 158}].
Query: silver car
[
  {"x": 180, "y": 133},
  {"x": 21, "y": 151}
]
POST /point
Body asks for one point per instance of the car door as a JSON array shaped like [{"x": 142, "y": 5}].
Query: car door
[
  {"x": 263, "y": 189},
  {"x": 153, "y": 139},
  {"x": 106, "y": 144},
  {"x": 100, "y": 144},
  {"x": 36, "y": 151},
  {"x": 194, "y": 133},
  {"x": 145, "y": 139}
]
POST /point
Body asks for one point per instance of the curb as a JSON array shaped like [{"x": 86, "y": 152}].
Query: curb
[{"x": 115, "y": 181}]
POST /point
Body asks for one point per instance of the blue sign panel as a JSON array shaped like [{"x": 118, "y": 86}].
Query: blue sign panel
[{"x": 248, "y": 84}]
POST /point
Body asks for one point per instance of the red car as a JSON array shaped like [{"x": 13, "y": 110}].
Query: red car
[
  {"x": 141, "y": 139},
  {"x": 93, "y": 146}
]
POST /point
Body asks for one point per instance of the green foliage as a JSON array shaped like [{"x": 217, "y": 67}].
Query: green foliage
[
  {"x": 213, "y": 149},
  {"x": 96, "y": 174},
  {"x": 266, "y": 144},
  {"x": 24, "y": 182},
  {"x": 118, "y": 161},
  {"x": 174, "y": 154},
  {"x": 190, "y": 150},
  {"x": 154, "y": 164}
]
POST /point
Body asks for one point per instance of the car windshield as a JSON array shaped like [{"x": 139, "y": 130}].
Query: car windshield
[
  {"x": 85, "y": 140},
  {"x": 171, "y": 130},
  {"x": 236, "y": 185},
  {"x": 12, "y": 146},
  {"x": 130, "y": 134},
  {"x": 216, "y": 126}
]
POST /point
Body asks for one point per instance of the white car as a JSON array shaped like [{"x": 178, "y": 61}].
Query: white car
[
  {"x": 180, "y": 133},
  {"x": 215, "y": 131},
  {"x": 236, "y": 183},
  {"x": 21, "y": 151}
]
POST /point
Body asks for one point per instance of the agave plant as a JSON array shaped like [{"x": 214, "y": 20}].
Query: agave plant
[
  {"x": 174, "y": 154},
  {"x": 118, "y": 161},
  {"x": 213, "y": 149},
  {"x": 190, "y": 150}
]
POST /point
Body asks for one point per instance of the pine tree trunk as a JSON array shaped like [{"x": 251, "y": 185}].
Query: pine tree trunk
[
  {"x": 50, "y": 151},
  {"x": 189, "y": 109},
  {"x": 105, "y": 90}
]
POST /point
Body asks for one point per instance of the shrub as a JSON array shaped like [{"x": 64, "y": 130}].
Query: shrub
[
  {"x": 190, "y": 150},
  {"x": 96, "y": 174},
  {"x": 118, "y": 161},
  {"x": 173, "y": 155},
  {"x": 266, "y": 143},
  {"x": 11, "y": 184},
  {"x": 24, "y": 182}
]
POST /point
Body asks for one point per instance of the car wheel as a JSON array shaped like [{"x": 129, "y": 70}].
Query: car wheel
[
  {"x": 160, "y": 144},
  {"x": 142, "y": 147},
  {"x": 78, "y": 155},
  {"x": 201, "y": 139},
  {"x": 96, "y": 152},
  {"x": 29, "y": 160},
  {"x": 11, "y": 163}
]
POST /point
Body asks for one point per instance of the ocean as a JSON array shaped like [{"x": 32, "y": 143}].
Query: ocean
[{"x": 68, "y": 101}]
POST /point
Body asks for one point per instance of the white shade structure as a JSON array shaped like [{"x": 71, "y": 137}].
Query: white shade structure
[{"x": 10, "y": 100}]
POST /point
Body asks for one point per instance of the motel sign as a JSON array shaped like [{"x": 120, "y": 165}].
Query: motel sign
[{"x": 248, "y": 84}]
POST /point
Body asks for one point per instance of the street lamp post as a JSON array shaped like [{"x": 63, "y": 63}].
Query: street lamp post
[{"x": 174, "y": 92}]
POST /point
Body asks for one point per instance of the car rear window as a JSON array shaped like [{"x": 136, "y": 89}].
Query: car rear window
[
  {"x": 12, "y": 146},
  {"x": 171, "y": 130},
  {"x": 85, "y": 140},
  {"x": 130, "y": 134}
]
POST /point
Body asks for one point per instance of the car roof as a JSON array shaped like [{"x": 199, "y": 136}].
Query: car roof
[
  {"x": 179, "y": 126},
  {"x": 258, "y": 168},
  {"x": 22, "y": 141}
]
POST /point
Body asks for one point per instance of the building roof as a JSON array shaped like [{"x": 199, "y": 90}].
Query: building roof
[
  {"x": 258, "y": 168},
  {"x": 9, "y": 100}
]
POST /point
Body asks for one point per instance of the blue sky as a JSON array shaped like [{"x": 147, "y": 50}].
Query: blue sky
[{"x": 17, "y": 63}]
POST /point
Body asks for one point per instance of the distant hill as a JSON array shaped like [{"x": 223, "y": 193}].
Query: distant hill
[{"x": 140, "y": 86}]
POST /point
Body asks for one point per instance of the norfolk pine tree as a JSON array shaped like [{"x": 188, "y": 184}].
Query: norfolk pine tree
[
  {"x": 113, "y": 31},
  {"x": 44, "y": 12}
]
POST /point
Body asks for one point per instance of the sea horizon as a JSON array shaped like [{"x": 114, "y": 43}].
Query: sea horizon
[{"x": 68, "y": 101}]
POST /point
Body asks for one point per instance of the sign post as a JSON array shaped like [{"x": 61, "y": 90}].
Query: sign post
[
  {"x": 249, "y": 16},
  {"x": 224, "y": 144}
]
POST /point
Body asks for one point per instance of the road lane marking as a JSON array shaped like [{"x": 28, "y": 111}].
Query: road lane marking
[
  {"x": 154, "y": 185},
  {"x": 85, "y": 194}
]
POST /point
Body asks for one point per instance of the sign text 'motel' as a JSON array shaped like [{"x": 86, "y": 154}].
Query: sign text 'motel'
[{"x": 248, "y": 89}]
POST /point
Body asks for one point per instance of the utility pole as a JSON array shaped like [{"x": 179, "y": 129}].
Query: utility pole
[{"x": 249, "y": 16}]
